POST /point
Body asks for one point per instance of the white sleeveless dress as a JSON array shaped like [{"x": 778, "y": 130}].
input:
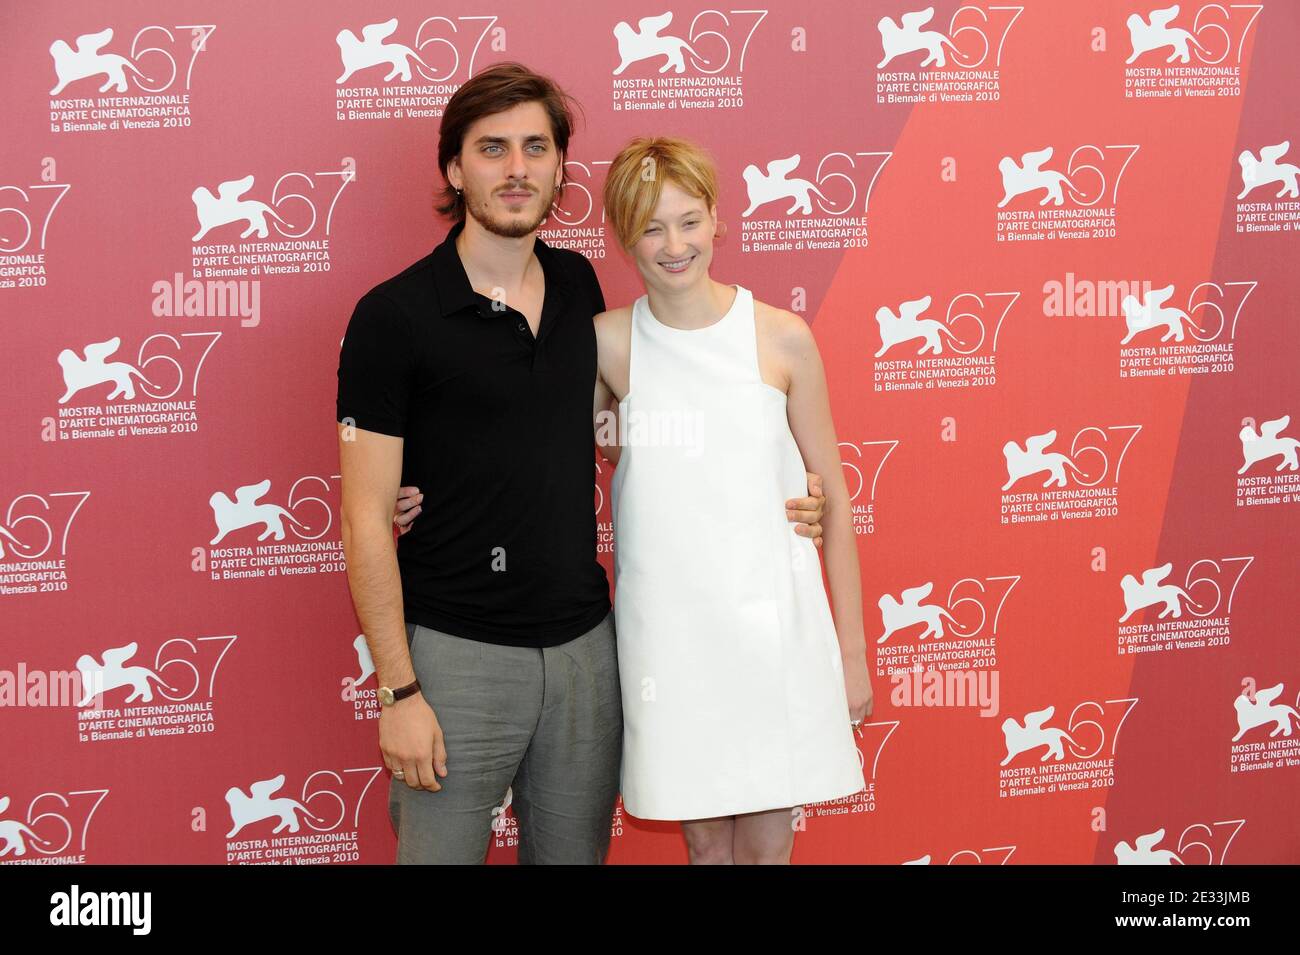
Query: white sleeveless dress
[{"x": 733, "y": 689}]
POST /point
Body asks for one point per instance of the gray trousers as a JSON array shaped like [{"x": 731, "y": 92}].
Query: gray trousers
[{"x": 546, "y": 723}]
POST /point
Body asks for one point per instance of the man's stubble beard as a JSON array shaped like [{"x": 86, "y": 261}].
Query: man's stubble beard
[{"x": 512, "y": 228}]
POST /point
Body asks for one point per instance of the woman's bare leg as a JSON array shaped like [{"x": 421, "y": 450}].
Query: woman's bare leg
[
  {"x": 764, "y": 838},
  {"x": 709, "y": 841}
]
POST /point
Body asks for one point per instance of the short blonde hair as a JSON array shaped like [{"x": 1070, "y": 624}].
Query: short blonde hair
[{"x": 637, "y": 175}]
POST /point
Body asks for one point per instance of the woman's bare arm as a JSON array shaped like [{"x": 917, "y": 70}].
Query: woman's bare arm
[
  {"x": 604, "y": 421},
  {"x": 611, "y": 378},
  {"x": 808, "y": 409}
]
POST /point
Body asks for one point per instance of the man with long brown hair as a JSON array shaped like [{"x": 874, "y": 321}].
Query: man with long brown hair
[{"x": 471, "y": 374}]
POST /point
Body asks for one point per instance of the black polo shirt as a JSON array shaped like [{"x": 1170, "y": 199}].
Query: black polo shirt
[{"x": 497, "y": 435}]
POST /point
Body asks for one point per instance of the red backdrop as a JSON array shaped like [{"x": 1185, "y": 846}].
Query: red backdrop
[{"x": 1027, "y": 448}]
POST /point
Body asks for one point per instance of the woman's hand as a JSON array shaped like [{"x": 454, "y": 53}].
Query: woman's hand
[
  {"x": 406, "y": 508},
  {"x": 857, "y": 686}
]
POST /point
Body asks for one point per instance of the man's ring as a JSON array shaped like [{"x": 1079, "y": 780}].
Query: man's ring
[{"x": 399, "y": 774}]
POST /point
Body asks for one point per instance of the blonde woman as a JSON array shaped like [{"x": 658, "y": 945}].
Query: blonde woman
[{"x": 740, "y": 690}]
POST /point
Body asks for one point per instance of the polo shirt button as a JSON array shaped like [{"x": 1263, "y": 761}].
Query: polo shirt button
[{"x": 522, "y": 327}]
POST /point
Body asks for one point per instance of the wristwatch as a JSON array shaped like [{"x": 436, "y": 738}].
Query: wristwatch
[{"x": 388, "y": 696}]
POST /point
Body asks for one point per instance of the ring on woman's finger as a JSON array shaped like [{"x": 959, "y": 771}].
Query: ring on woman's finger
[{"x": 399, "y": 774}]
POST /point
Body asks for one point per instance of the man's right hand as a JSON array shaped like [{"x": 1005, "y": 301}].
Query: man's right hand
[
  {"x": 411, "y": 740},
  {"x": 406, "y": 508}
]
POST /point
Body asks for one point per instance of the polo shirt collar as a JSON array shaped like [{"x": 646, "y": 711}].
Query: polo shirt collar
[{"x": 455, "y": 293}]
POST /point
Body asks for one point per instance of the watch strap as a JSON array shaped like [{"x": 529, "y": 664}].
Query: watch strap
[
  {"x": 403, "y": 692},
  {"x": 388, "y": 696}
]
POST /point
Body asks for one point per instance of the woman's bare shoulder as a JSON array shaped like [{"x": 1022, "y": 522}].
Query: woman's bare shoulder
[
  {"x": 613, "y": 325},
  {"x": 785, "y": 330},
  {"x": 614, "y": 316}
]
